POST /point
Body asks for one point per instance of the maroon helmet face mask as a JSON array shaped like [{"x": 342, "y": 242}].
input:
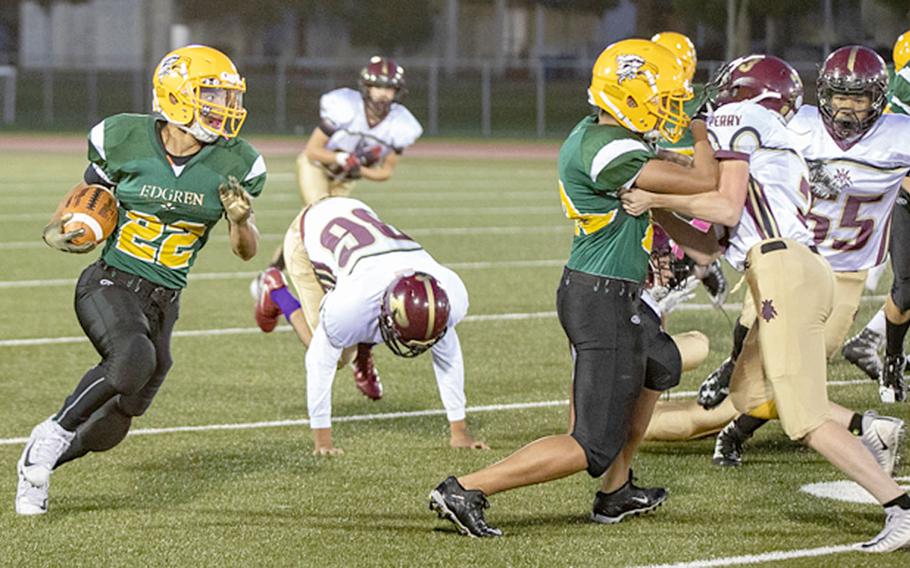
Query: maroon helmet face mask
[
  {"x": 763, "y": 79},
  {"x": 414, "y": 314},
  {"x": 853, "y": 70},
  {"x": 381, "y": 72}
]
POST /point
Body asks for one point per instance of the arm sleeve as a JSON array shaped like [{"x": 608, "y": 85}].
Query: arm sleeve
[
  {"x": 735, "y": 131},
  {"x": 617, "y": 164},
  {"x": 98, "y": 156},
  {"x": 449, "y": 368},
  {"x": 334, "y": 112},
  {"x": 899, "y": 93},
  {"x": 407, "y": 131},
  {"x": 321, "y": 361},
  {"x": 254, "y": 180}
]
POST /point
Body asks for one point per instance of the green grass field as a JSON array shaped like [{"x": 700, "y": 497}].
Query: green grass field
[{"x": 257, "y": 497}]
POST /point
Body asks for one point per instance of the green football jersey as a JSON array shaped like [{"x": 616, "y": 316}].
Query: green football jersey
[
  {"x": 686, "y": 144},
  {"x": 595, "y": 163},
  {"x": 899, "y": 91},
  {"x": 166, "y": 211}
]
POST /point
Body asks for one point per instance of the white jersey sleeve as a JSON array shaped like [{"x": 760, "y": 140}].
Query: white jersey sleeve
[
  {"x": 448, "y": 365},
  {"x": 777, "y": 195},
  {"x": 337, "y": 109},
  {"x": 321, "y": 361},
  {"x": 735, "y": 130},
  {"x": 405, "y": 128}
]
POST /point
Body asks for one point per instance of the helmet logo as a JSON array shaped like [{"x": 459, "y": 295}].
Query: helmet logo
[
  {"x": 399, "y": 311},
  {"x": 628, "y": 66},
  {"x": 748, "y": 64},
  {"x": 231, "y": 78},
  {"x": 167, "y": 66}
]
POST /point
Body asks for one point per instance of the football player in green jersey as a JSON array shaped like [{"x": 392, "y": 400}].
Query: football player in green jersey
[
  {"x": 175, "y": 174},
  {"x": 637, "y": 86}
]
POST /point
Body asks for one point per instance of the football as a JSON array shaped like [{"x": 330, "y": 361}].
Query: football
[{"x": 93, "y": 208}]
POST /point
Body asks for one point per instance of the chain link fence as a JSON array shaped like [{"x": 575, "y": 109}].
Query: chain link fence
[{"x": 529, "y": 99}]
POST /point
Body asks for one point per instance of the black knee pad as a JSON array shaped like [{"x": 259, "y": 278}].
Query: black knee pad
[
  {"x": 599, "y": 455},
  {"x": 131, "y": 364},
  {"x": 900, "y": 294}
]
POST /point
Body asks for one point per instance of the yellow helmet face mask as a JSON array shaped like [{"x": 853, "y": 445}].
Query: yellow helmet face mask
[
  {"x": 198, "y": 89},
  {"x": 680, "y": 46},
  {"x": 642, "y": 85},
  {"x": 901, "y": 51}
]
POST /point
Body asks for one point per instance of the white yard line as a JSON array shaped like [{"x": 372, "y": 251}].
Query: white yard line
[
  {"x": 775, "y": 556},
  {"x": 372, "y": 417},
  {"x": 201, "y": 276},
  {"x": 565, "y": 228}
]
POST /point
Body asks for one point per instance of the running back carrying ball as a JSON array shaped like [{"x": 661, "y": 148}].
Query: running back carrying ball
[{"x": 93, "y": 208}]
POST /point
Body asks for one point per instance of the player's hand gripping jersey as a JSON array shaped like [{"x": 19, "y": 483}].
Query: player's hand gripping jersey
[
  {"x": 343, "y": 119},
  {"x": 777, "y": 197},
  {"x": 166, "y": 211},
  {"x": 853, "y": 189},
  {"x": 344, "y": 238}
]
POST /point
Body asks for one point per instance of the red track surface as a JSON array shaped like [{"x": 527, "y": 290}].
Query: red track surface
[{"x": 480, "y": 150}]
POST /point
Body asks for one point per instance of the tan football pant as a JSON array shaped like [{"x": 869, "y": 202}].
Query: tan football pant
[
  {"x": 316, "y": 183},
  {"x": 848, "y": 290},
  {"x": 309, "y": 290},
  {"x": 782, "y": 370},
  {"x": 681, "y": 420}
]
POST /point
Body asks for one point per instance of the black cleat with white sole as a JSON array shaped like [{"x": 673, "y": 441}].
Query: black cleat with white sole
[
  {"x": 628, "y": 500},
  {"x": 463, "y": 507}
]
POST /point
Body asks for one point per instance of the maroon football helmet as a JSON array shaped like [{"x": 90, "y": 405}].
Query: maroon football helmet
[
  {"x": 851, "y": 70},
  {"x": 381, "y": 72},
  {"x": 414, "y": 314},
  {"x": 763, "y": 79}
]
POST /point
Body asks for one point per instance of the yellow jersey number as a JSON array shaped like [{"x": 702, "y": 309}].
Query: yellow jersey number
[{"x": 146, "y": 238}]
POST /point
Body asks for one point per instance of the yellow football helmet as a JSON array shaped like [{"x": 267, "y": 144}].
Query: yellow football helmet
[
  {"x": 643, "y": 86},
  {"x": 682, "y": 47},
  {"x": 901, "y": 51},
  {"x": 198, "y": 89}
]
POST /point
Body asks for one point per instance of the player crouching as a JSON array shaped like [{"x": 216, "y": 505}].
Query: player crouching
[{"x": 379, "y": 285}]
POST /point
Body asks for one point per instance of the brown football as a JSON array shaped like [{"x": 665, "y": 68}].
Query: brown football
[{"x": 94, "y": 208}]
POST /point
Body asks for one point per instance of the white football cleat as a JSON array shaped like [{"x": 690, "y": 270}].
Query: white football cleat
[
  {"x": 883, "y": 436},
  {"x": 45, "y": 445},
  {"x": 895, "y": 535},
  {"x": 30, "y": 499}
]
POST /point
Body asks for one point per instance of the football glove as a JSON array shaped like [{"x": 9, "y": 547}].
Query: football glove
[
  {"x": 55, "y": 237},
  {"x": 349, "y": 164},
  {"x": 235, "y": 200}
]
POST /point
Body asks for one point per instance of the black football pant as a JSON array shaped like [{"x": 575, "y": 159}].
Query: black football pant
[
  {"x": 129, "y": 320},
  {"x": 601, "y": 319},
  {"x": 899, "y": 248}
]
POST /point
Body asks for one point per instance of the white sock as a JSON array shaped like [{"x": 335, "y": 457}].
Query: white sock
[{"x": 877, "y": 323}]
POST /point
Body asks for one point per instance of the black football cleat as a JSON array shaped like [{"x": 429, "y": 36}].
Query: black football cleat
[
  {"x": 628, "y": 500},
  {"x": 892, "y": 387},
  {"x": 862, "y": 350},
  {"x": 463, "y": 507},
  {"x": 716, "y": 387},
  {"x": 728, "y": 449},
  {"x": 715, "y": 283}
]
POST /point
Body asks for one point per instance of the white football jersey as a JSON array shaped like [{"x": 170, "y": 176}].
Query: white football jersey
[
  {"x": 778, "y": 192},
  {"x": 365, "y": 255},
  {"x": 343, "y": 117},
  {"x": 340, "y": 232},
  {"x": 853, "y": 189}
]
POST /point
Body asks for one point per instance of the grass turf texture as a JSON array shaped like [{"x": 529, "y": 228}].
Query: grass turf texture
[{"x": 257, "y": 497}]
